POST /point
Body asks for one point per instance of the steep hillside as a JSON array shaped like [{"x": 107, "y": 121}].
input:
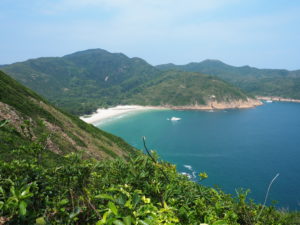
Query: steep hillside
[
  {"x": 83, "y": 81},
  {"x": 191, "y": 90},
  {"x": 265, "y": 82},
  {"x": 31, "y": 119}
]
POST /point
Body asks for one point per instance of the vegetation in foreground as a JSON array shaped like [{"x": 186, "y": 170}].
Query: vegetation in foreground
[{"x": 69, "y": 190}]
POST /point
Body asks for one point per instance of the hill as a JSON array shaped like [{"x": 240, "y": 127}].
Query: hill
[
  {"x": 31, "y": 119},
  {"x": 192, "y": 91},
  {"x": 84, "y": 81},
  {"x": 262, "y": 82}
]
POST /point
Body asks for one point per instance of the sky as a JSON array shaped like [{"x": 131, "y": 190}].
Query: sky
[{"x": 259, "y": 33}]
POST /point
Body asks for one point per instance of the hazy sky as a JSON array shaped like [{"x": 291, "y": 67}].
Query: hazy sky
[{"x": 260, "y": 33}]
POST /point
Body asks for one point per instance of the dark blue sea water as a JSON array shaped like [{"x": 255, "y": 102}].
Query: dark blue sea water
[{"x": 236, "y": 148}]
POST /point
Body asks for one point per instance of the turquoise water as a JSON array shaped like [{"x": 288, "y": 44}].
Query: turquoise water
[{"x": 236, "y": 148}]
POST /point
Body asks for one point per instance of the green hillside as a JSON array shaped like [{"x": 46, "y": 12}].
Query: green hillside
[
  {"x": 264, "y": 82},
  {"x": 83, "y": 81},
  {"x": 32, "y": 119},
  {"x": 185, "y": 88}
]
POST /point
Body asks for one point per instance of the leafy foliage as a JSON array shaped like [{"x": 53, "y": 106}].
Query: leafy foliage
[
  {"x": 117, "y": 192},
  {"x": 264, "y": 82}
]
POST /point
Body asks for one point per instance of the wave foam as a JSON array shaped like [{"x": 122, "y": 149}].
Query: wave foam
[{"x": 189, "y": 167}]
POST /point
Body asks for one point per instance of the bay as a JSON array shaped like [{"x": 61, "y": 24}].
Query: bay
[{"x": 236, "y": 148}]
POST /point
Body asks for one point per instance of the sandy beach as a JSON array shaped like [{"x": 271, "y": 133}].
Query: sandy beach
[{"x": 103, "y": 114}]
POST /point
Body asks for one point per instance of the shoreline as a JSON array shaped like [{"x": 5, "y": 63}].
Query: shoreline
[
  {"x": 277, "y": 99},
  {"x": 103, "y": 114},
  {"x": 214, "y": 105}
]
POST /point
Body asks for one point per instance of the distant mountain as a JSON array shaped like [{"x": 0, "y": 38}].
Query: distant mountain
[
  {"x": 84, "y": 81},
  {"x": 190, "y": 90},
  {"x": 265, "y": 82},
  {"x": 31, "y": 119}
]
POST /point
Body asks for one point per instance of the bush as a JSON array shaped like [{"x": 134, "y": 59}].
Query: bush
[{"x": 117, "y": 192}]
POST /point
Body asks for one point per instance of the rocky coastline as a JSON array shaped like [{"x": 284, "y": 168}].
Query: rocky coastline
[
  {"x": 277, "y": 99},
  {"x": 214, "y": 105}
]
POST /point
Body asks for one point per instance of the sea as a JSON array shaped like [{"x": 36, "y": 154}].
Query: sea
[{"x": 238, "y": 148}]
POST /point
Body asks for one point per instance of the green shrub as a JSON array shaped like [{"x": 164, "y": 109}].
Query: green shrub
[{"x": 81, "y": 191}]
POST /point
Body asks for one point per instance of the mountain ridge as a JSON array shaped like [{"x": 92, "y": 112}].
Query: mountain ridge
[
  {"x": 208, "y": 60},
  {"x": 86, "y": 80},
  {"x": 259, "y": 82},
  {"x": 65, "y": 81}
]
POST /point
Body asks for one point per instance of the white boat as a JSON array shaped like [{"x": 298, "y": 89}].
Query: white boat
[
  {"x": 269, "y": 101},
  {"x": 175, "y": 118}
]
